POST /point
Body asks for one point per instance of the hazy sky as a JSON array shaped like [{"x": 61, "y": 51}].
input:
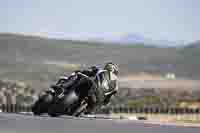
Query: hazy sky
[{"x": 157, "y": 19}]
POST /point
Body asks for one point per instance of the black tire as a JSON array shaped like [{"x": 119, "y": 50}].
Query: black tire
[
  {"x": 80, "y": 110},
  {"x": 54, "y": 110},
  {"x": 42, "y": 104},
  {"x": 63, "y": 106}
]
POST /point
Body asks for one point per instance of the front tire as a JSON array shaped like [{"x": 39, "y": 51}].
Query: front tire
[{"x": 80, "y": 110}]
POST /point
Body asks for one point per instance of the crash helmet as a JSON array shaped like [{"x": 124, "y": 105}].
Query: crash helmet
[{"x": 112, "y": 68}]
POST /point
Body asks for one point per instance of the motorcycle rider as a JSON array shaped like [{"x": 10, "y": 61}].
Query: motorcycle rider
[{"x": 103, "y": 84}]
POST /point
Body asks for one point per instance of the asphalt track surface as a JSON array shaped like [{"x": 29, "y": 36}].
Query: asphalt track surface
[{"x": 18, "y": 123}]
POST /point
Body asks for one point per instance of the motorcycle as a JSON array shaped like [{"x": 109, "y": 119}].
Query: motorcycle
[{"x": 64, "y": 101}]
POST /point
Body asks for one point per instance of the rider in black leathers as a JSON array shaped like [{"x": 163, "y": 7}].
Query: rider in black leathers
[{"x": 103, "y": 83}]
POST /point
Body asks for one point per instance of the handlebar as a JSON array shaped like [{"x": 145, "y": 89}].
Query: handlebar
[{"x": 83, "y": 75}]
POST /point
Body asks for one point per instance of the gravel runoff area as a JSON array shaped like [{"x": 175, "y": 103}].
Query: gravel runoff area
[{"x": 188, "y": 120}]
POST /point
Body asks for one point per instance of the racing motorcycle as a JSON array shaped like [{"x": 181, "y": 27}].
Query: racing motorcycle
[{"x": 58, "y": 100}]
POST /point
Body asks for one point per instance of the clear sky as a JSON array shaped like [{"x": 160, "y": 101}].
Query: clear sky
[{"x": 172, "y": 20}]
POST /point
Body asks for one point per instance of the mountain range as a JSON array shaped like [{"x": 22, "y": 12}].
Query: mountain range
[
  {"x": 195, "y": 44},
  {"x": 26, "y": 57},
  {"x": 133, "y": 39}
]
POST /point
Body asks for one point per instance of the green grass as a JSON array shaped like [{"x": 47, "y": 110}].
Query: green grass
[
  {"x": 189, "y": 121},
  {"x": 75, "y": 44},
  {"x": 190, "y": 56},
  {"x": 145, "y": 101}
]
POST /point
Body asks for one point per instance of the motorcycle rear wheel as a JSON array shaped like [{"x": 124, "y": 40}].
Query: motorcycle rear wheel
[{"x": 42, "y": 104}]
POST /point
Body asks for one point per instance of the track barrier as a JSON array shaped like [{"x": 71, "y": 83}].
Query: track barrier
[{"x": 14, "y": 108}]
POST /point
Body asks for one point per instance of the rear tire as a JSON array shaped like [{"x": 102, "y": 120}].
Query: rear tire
[
  {"x": 54, "y": 110},
  {"x": 63, "y": 106},
  {"x": 42, "y": 104}
]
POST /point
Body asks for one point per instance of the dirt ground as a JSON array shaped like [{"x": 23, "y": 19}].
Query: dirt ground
[{"x": 190, "y": 119}]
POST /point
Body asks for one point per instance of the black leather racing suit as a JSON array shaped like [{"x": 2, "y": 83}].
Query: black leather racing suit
[{"x": 105, "y": 85}]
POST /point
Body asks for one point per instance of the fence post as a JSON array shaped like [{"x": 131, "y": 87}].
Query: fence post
[
  {"x": 3, "y": 108},
  {"x": 12, "y": 108}
]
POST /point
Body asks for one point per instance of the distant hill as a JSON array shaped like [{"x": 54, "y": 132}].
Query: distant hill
[
  {"x": 135, "y": 39},
  {"x": 27, "y": 57},
  {"x": 195, "y": 44}
]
